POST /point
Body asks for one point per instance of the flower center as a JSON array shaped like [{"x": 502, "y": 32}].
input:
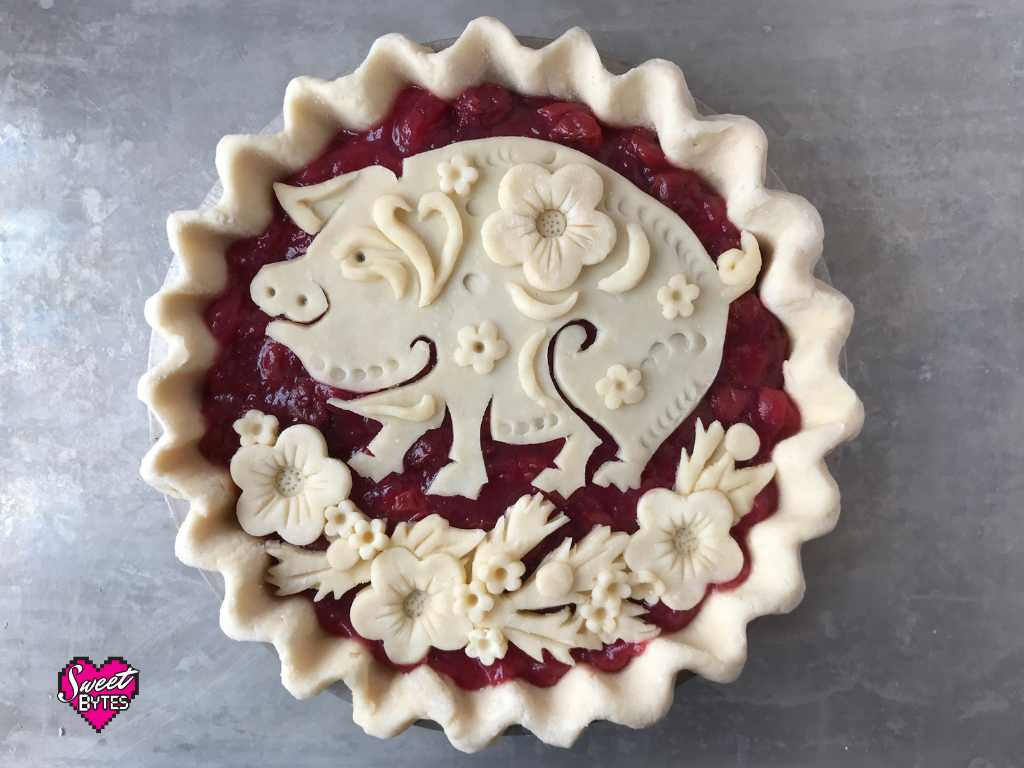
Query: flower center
[
  {"x": 289, "y": 481},
  {"x": 415, "y": 603},
  {"x": 472, "y": 600},
  {"x": 676, "y": 295},
  {"x": 620, "y": 385},
  {"x": 366, "y": 537},
  {"x": 551, "y": 223},
  {"x": 500, "y": 573},
  {"x": 685, "y": 541},
  {"x": 478, "y": 346}
]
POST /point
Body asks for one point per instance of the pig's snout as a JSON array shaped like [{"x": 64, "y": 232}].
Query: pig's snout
[{"x": 287, "y": 290}]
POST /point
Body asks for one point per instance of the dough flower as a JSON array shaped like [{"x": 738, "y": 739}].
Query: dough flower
[
  {"x": 677, "y": 297},
  {"x": 473, "y": 600},
  {"x": 600, "y": 619},
  {"x": 287, "y": 487},
  {"x": 548, "y": 223},
  {"x": 486, "y": 645},
  {"x": 621, "y": 385},
  {"x": 341, "y": 519},
  {"x": 502, "y": 574},
  {"x": 480, "y": 347},
  {"x": 684, "y": 542},
  {"x": 409, "y": 605},
  {"x": 368, "y": 538},
  {"x": 457, "y": 176},
  {"x": 256, "y": 427},
  {"x": 611, "y": 589}
]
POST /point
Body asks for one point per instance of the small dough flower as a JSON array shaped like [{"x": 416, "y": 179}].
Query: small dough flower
[
  {"x": 548, "y": 223},
  {"x": 341, "y": 519},
  {"x": 457, "y": 176},
  {"x": 480, "y": 348},
  {"x": 256, "y": 428},
  {"x": 677, "y": 297},
  {"x": 502, "y": 574},
  {"x": 368, "y": 538},
  {"x": 472, "y": 600},
  {"x": 409, "y": 604},
  {"x": 621, "y": 385},
  {"x": 601, "y": 620},
  {"x": 287, "y": 487},
  {"x": 486, "y": 645},
  {"x": 611, "y": 589},
  {"x": 684, "y": 541}
]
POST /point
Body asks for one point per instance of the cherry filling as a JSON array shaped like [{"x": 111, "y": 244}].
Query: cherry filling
[{"x": 251, "y": 371}]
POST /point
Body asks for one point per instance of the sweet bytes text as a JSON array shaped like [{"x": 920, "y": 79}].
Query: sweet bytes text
[{"x": 116, "y": 682}]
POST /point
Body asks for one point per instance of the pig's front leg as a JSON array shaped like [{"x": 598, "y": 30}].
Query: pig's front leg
[{"x": 467, "y": 473}]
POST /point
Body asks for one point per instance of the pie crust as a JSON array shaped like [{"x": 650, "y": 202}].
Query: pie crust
[{"x": 728, "y": 152}]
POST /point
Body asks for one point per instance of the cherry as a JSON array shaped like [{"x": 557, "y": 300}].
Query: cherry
[
  {"x": 642, "y": 145},
  {"x": 223, "y": 315},
  {"x": 483, "y": 106},
  {"x": 728, "y": 402},
  {"x": 415, "y": 114},
  {"x": 572, "y": 123},
  {"x": 778, "y": 413}
]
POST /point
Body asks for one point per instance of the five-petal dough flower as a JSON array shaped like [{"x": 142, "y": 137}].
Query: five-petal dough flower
[
  {"x": 684, "y": 541},
  {"x": 547, "y": 223},
  {"x": 341, "y": 519},
  {"x": 600, "y": 619},
  {"x": 677, "y": 297},
  {"x": 256, "y": 427},
  {"x": 287, "y": 487},
  {"x": 409, "y": 605},
  {"x": 480, "y": 348},
  {"x": 486, "y": 645},
  {"x": 473, "y": 600},
  {"x": 621, "y": 385},
  {"x": 502, "y": 574},
  {"x": 457, "y": 176},
  {"x": 368, "y": 538},
  {"x": 611, "y": 589}
]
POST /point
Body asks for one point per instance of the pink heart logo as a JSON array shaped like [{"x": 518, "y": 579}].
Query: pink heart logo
[{"x": 98, "y": 695}]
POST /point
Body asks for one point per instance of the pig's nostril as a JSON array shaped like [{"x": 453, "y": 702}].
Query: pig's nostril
[
  {"x": 271, "y": 293},
  {"x": 302, "y": 301}
]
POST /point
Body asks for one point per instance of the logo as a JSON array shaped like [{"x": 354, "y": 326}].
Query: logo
[{"x": 97, "y": 694}]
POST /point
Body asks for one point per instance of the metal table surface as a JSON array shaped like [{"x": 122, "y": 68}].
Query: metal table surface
[{"x": 899, "y": 121}]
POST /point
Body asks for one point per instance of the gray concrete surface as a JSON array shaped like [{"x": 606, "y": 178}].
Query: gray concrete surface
[{"x": 900, "y": 121}]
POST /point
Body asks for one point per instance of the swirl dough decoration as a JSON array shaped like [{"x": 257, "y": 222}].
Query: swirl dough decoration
[{"x": 386, "y": 274}]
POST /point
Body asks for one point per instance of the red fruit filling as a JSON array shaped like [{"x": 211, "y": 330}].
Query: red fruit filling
[{"x": 251, "y": 371}]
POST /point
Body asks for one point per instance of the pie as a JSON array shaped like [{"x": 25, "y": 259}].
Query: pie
[{"x": 499, "y": 387}]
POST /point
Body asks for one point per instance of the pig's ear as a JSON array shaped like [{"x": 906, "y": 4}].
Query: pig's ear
[{"x": 311, "y": 207}]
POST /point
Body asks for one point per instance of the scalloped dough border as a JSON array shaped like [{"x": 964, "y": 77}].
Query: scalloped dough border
[{"x": 727, "y": 151}]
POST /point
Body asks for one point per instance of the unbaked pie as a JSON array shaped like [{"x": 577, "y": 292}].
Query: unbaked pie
[{"x": 500, "y": 387}]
